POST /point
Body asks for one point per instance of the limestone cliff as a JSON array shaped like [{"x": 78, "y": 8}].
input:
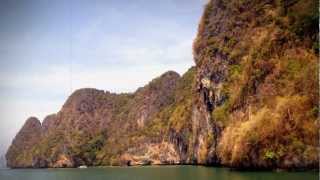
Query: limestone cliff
[
  {"x": 251, "y": 101},
  {"x": 26, "y": 139},
  {"x": 88, "y": 125},
  {"x": 257, "y": 84}
]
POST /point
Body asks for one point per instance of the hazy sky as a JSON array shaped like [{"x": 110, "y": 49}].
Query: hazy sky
[{"x": 49, "y": 48}]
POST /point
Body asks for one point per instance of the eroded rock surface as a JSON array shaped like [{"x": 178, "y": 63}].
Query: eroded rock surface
[{"x": 251, "y": 101}]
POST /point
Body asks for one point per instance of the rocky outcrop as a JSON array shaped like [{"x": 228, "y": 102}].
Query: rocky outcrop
[
  {"x": 49, "y": 123},
  {"x": 26, "y": 139},
  {"x": 153, "y": 97},
  {"x": 63, "y": 161},
  {"x": 151, "y": 154},
  {"x": 78, "y": 133},
  {"x": 249, "y": 55},
  {"x": 251, "y": 101}
]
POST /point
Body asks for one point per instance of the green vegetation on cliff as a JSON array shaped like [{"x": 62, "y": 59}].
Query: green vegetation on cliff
[
  {"x": 265, "y": 54},
  {"x": 251, "y": 101}
]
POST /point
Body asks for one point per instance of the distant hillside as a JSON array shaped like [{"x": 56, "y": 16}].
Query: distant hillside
[
  {"x": 91, "y": 121},
  {"x": 251, "y": 101}
]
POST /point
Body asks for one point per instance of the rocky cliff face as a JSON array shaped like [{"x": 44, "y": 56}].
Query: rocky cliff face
[
  {"x": 89, "y": 124},
  {"x": 25, "y": 140},
  {"x": 250, "y": 102},
  {"x": 257, "y": 90}
]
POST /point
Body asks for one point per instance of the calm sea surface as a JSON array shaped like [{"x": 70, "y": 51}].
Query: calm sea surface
[{"x": 151, "y": 173}]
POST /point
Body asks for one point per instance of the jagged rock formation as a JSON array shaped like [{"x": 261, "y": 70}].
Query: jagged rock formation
[
  {"x": 257, "y": 83},
  {"x": 89, "y": 123},
  {"x": 25, "y": 140},
  {"x": 250, "y": 102}
]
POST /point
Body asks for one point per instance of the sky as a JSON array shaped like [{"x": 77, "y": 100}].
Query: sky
[{"x": 49, "y": 48}]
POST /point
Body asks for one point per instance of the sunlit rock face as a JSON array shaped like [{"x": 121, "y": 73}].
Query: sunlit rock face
[
  {"x": 251, "y": 101},
  {"x": 247, "y": 88}
]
